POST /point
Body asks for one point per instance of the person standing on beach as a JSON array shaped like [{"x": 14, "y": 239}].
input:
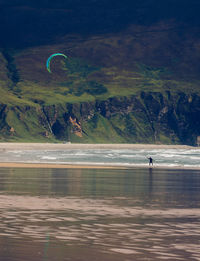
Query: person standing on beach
[{"x": 150, "y": 161}]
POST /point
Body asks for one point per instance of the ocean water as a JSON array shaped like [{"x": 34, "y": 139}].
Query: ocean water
[
  {"x": 122, "y": 157},
  {"x": 99, "y": 214}
]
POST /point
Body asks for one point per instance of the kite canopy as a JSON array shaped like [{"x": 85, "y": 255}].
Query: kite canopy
[{"x": 49, "y": 60}]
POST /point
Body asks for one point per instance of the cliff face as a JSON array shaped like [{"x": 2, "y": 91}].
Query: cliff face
[
  {"x": 132, "y": 73},
  {"x": 146, "y": 118}
]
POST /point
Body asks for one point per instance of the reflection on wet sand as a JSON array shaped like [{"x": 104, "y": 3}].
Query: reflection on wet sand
[{"x": 85, "y": 215}]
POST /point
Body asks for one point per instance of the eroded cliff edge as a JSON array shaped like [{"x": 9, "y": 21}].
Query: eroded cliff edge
[{"x": 149, "y": 117}]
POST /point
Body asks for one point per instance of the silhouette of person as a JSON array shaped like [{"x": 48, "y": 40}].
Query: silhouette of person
[{"x": 150, "y": 161}]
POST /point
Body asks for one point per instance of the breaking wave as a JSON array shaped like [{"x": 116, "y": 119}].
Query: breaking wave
[{"x": 124, "y": 157}]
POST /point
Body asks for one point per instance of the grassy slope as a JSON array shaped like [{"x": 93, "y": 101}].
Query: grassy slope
[
  {"x": 120, "y": 65},
  {"x": 124, "y": 63}
]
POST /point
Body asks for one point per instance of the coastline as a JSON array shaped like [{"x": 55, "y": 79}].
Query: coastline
[
  {"x": 70, "y": 146},
  {"x": 88, "y": 166},
  {"x": 54, "y": 166},
  {"x": 8, "y": 146}
]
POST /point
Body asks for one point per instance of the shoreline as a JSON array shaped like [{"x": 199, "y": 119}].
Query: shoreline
[
  {"x": 54, "y": 166},
  {"x": 70, "y": 146},
  {"x": 9, "y": 146},
  {"x": 89, "y": 166}
]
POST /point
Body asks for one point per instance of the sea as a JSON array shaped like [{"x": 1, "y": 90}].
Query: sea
[
  {"x": 119, "y": 214},
  {"x": 188, "y": 158}
]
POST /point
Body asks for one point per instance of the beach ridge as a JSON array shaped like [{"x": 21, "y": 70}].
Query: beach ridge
[{"x": 61, "y": 146}]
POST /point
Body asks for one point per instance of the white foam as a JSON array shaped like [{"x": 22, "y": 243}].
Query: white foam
[
  {"x": 49, "y": 157},
  {"x": 168, "y": 155},
  {"x": 124, "y": 157},
  {"x": 195, "y": 158}
]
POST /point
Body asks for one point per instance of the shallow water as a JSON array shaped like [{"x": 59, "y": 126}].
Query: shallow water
[
  {"x": 102, "y": 215},
  {"x": 121, "y": 157}
]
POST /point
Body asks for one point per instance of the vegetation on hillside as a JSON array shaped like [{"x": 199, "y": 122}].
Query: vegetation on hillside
[{"x": 99, "y": 69}]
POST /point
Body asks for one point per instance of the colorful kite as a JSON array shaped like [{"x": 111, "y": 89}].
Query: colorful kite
[{"x": 49, "y": 60}]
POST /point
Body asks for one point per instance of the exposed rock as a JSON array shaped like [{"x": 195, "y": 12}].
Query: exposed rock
[{"x": 146, "y": 118}]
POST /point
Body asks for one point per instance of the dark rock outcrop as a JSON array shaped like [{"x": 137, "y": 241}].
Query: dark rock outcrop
[{"x": 147, "y": 118}]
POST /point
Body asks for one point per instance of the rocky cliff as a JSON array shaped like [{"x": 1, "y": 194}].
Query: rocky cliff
[
  {"x": 147, "y": 118},
  {"x": 132, "y": 73}
]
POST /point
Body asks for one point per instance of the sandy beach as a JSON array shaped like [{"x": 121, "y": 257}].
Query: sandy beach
[
  {"x": 69, "y": 146},
  {"x": 81, "y": 166},
  {"x": 55, "y": 166}
]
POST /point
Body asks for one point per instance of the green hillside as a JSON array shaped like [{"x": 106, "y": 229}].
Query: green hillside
[{"x": 137, "y": 62}]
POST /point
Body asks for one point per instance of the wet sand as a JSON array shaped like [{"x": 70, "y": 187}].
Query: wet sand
[
  {"x": 81, "y": 166},
  {"x": 112, "y": 215},
  {"x": 55, "y": 166}
]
